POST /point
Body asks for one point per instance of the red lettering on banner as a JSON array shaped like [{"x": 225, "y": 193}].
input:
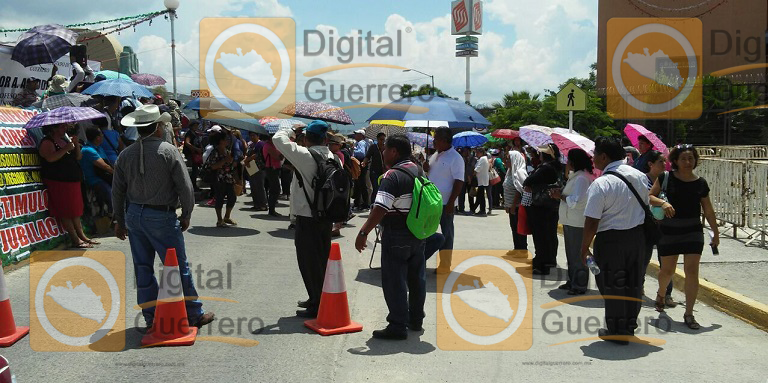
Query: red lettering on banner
[
  {"x": 5, "y": 201},
  {"x": 53, "y": 226},
  {"x": 23, "y": 204},
  {"x": 6, "y": 241},
  {"x": 20, "y": 204},
  {"x": 42, "y": 229},
  {"x": 22, "y": 235}
]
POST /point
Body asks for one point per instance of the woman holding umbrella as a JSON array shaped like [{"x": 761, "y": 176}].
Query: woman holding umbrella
[
  {"x": 543, "y": 212},
  {"x": 62, "y": 176}
]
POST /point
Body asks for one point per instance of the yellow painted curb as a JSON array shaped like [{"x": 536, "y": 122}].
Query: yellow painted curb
[{"x": 727, "y": 301}]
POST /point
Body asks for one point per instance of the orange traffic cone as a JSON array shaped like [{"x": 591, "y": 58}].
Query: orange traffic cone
[
  {"x": 171, "y": 326},
  {"x": 333, "y": 316},
  {"x": 9, "y": 333}
]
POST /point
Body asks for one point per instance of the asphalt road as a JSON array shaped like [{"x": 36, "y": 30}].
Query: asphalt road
[{"x": 259, "y": 271}]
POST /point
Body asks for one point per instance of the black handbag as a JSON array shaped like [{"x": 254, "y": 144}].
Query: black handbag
[{"x": 650, "y": 226}]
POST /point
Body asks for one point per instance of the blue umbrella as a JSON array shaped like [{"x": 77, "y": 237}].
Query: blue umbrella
[
  {"x": 118, "y": 87},
  {"x": 469, "y": 139},
  {"x": 111, "y": 75},
  {"x": 212, "y": 103},
  {"x": 456, "y": 113},
  {"x": 421, "y": 139}
]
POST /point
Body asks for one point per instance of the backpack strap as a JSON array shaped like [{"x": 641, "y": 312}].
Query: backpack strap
[{"x": 666, "y": 181}]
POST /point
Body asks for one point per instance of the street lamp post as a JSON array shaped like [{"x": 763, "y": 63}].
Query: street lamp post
[
  {"x": 172, "y": 5},
  {"x": 430, "y": 76}
]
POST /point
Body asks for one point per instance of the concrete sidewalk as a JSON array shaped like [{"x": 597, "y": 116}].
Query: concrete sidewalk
[{"x": 266, "y": 284}]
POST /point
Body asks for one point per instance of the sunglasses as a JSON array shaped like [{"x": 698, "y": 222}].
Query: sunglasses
[{"x": 684, "y": 146}]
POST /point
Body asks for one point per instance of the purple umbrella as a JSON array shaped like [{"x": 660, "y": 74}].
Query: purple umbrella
[
  {"x": 63, "y": 115},
  {"x": 148, "y": 79},
  {"x": 43, "y": 44},
  {"x": 318, "y": 111}
]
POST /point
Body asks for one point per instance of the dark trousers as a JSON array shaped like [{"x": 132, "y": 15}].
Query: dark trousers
[
  {"x": 313, "y": 245},
  {"x": 463, "y": 197},
  {"x": 647, "y": 260},
  {"x": 224, "y": 189},
  {"x": 360, "y": 191},
  {"x": 193, "y": 174},
  {"x": 519, "y": 241},
  {"x": 620, "y": 256},
  {"x": 273, "y": 178},
  {"x": 498, "y": 192},
  {"x": 543, "y": 224},
  {"x": 403, "y": 277},
  {"x": 480, "y": 199},
  {"x": 286, "y": 177},
  {"x": 258, "y": 192},
  {"x": 578, "y": 274},
  {"x": 374, "y": 184}
]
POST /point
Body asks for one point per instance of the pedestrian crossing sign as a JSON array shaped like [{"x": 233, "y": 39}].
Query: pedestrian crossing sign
[{"x": 571, "y": 97}]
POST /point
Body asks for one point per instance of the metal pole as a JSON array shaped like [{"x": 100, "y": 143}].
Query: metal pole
[
  {"x": 570, "y": 121},
  {"x": 172, "y": 14},
  {"x": 467, "y": 93},
  {"x": 433, "y": 84}
]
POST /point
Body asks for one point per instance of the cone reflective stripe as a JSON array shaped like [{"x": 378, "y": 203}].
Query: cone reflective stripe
[
  {"x": 170, "y": 326},
  {"x": 333, "y": 315},
  {"x": 9, "y": 333}
]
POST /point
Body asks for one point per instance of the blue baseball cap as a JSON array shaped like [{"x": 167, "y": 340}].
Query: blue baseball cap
[{"x": 317, "y": 127}]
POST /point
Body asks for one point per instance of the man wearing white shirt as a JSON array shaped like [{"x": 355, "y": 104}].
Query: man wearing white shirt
[
  {"x": 482, "y": 169},
  {"x": 446, "y": 171},
  {"x": 614, "y": 219}
]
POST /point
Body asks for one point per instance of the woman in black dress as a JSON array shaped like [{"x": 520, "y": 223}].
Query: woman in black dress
[
  {"x": 682, "y": 231},
  {"x": 543, "y": 212}
]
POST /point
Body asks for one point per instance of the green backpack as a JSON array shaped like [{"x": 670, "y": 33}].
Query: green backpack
[{"x": 426, "y": 208}]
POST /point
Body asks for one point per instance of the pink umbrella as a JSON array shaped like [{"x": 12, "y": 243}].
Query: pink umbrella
[
  {"x": 567, "y": 141},
  {"x": 266, "y": 120},
  {"x": 634, "y": 131}
]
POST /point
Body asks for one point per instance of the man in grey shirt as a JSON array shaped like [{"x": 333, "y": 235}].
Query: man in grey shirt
[{"x": 152, "y": 178}]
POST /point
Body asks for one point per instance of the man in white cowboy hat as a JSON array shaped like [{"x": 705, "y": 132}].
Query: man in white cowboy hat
[{"x": 152, "y": 178}]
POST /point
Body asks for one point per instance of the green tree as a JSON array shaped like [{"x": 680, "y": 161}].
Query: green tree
[{"x": 410, "y": 90}]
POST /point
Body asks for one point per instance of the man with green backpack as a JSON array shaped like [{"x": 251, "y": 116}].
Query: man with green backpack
[{"x": 408, "y": 206}]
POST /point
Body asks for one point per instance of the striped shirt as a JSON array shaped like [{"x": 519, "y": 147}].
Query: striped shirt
[
  {"x": 396, "y": 193},
  {"x": 165, "y": 180}
]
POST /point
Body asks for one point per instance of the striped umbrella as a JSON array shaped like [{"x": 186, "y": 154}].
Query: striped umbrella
[
  {"x": 275, "y": 125},
  {"x": 63, "y": 115},
  {"x": 148, "y": 79},
  {"x": 59, "y": 100},
  {"x": 43, "y": 44}
]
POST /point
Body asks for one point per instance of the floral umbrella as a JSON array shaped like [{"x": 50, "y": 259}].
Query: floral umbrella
[
  {"x": 266, "y": 120},
  {"x": 148, "y": 79},
  {"x": 421, "y": 139},
  {"x": 318, "y": 111},
  {"x": 374, "y": 129},
  {"x": 536, "y": 135},
  {"x": 277, "y": 124},
  {"x": 567, "y": 141}
]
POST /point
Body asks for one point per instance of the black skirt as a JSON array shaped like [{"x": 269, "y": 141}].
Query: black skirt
[{"x": 681, "y": 236}]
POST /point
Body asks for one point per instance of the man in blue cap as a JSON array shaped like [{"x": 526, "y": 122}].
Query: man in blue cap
[{"x": 313, "y": 236}]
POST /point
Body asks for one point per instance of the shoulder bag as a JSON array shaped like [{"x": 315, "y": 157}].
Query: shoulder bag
[{"x": 651, "y": 229}]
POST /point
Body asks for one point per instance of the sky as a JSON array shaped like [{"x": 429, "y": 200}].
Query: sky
[{"x": 528, "y": 45}]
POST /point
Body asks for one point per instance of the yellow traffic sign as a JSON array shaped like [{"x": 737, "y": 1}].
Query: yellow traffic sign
[{"x": 571, "y": 97}]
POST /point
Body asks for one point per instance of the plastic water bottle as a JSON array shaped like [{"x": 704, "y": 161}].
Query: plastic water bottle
[{"x": 592, "y": 265}]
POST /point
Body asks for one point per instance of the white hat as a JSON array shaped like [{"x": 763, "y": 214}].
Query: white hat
[
  {"x": 360, "y": 131},
  {"x": 214, "y": 128},
  {"x": 145, "y": 115}
]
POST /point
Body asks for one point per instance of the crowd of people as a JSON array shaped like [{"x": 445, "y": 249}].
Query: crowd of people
[{"x": 591, "y": 195}]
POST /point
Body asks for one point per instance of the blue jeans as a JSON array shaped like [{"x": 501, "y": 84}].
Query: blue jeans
[
  {"x": 403, "y": 277},
  {"x": 153, "y": 231},
  {"x": 441, "y": 241}
]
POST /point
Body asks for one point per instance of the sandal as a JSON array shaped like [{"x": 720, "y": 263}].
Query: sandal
[
  {"x": 670, "y": 302},
  {"x": 690, "y": 321},
  {"x": 659, "y": 303},
  {"x": 82, "y": 245},
  {"x": 93, "y": 242},
  {"x": 230, "y": 221},
  {"x": 221, "y": 224}
]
